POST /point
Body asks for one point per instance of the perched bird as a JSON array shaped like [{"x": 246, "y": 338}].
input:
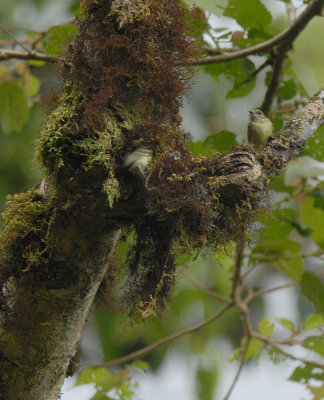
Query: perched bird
[
  {"x": 137, "y": 162},
  {"x": 259, "y": 129}
]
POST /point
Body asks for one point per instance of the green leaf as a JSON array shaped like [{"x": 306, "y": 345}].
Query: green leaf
[
  {"x": 249, "y": 13},
  {"x": 307, "y": 372},
  {"x": 274, "y": 242},
  {"x": 241, "y": 90},
  {"x": 313, "y": 289},
  {"x": 266, "y": 327},
  {"x": 32, "y": 86},
  {"x": 111, "y": 382},
  {"x": 13, "y": 107},
  {"x": 314, "y": 217},
  {"x": 142, "y": 365},
  {"x": 239, "y": 72},
  {"x": 214, "y": 6},
  {"x": 277, "y": 183},
  {"x": 314, "y": 321},
  {"x": 315, "y": 343},
  {"x": 292, "y": 267},
  {"x": 206, "y": 379},
  {"x": 36, "y": 63},
  {"x": 221, "y": 142},
  {"x": 57, "y": 37},
  {"x": 287, "y": 324},
  {"x": 287, "y": 90},
  {"x": 318, "y": 194},
  {"x": 197, "y": 24},
  {"x": 289, "y": 215},
  {"x": 318, "y": 391},
  {"x": 93, "y": 375},
  {"x": 315, "y": 145},
  {"x": 254, "y": 350}
]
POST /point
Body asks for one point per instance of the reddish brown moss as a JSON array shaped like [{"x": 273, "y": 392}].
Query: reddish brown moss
[{"x": 134, "y": 65}]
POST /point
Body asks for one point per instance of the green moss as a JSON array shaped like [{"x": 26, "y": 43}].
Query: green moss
[
  {"x": 111, "y": 189},
  {"x": 26, "y": 225},
  {"x": 126, "y": 12},
  {"x": 83, "y": 159}
]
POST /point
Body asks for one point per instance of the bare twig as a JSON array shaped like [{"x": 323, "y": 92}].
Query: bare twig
[
  {"x": 11, "y": 42},
  {"x": 148, "y": 349},
  {"x": 293, "y": 357},
  {"x": 274, "y": 289},
  {"x": 17, "y": 42},
  {"x": 254, "y": 74},
  {"x": 30, "y": 55},
  {"x": 277, "y": 74},
  {"x": 270, "y": 257},
  {"x": 218, "y": 50},
  {"x": 237, "y": 279},
  {"x": 205, "y": 290},
  {"x": 287, "y": 35},
  {"x": 240, "y": 369}
]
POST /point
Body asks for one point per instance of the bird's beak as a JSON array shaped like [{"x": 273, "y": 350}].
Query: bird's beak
[{"x": 251, "y": 112}]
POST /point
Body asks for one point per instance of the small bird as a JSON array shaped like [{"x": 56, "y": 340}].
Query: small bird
[
  {"x": 137, "y": 162},
  {"x": 259, "y": 129}
]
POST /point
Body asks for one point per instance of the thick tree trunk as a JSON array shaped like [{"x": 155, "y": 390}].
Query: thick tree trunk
[{"x": 41, "y": 324}]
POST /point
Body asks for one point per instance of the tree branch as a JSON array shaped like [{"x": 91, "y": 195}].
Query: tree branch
[
  {"x": 208, "y": 291},
  {"x": 13, "y": 38},
  {"x": 29, "y": 55},
  {"x": 254, "y": 74},
  {"x": 277, "y": 74},
  {"x": 148, "y": 349},
  {"x": 240, "y": 369},
  {"x": 288, "y": 35},
  {"x": 284, "y": 146},
  {"x": 274, "y": 289},
  {"x": 315, "y": 364}
]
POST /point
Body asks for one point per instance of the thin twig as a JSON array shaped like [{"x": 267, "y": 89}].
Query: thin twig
[
  {"x": 208, "y": 291},
  {"x": 271, "y": 340},
  {"x": 293, "y": 357},
  {"x": 277, "y": 75},
  {"x": 11, "y": 42},
  {"x": 148, "y": 349},
  {"x": 287, "y": 35},
  {"x": 17, "y": 42},
  {"x": 269, "y": 257},
  {"x": 237, "y": 279},
  {"x": 246, "y": 273},
  {"x": 240, "y": 369},
  {"x": 254, "y": 74},
  {"x": 31, "y": 55},
  {"x": 274, "y": 289}
]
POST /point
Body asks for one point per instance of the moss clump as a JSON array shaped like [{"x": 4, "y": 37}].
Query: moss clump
[
  {"x": 27, "y": 221},
  {"x": 124, "y": 82},
  {"x": 127, "y": 12},
  {"x": 79, "y": 160}
]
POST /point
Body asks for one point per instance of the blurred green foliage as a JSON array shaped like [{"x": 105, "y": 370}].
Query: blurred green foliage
[{"x": 295, "y": 219}]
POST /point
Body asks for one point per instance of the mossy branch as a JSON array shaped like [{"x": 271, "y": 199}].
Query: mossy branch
[{"x": 122, "y": 89}]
